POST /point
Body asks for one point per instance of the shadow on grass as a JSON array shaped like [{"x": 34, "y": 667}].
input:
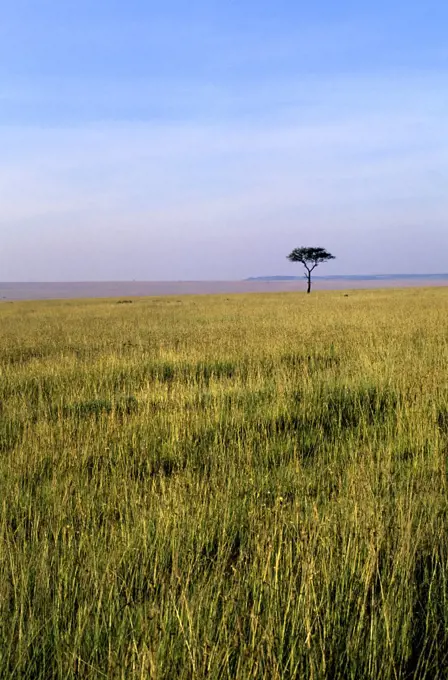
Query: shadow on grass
[
  {"x": 96, "y": 408},
  {"x": 429, "y": 641},
  {"x": 11, "y": 433}
]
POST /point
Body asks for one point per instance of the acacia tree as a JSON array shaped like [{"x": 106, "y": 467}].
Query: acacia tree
[{"x": 310, "y": 258}]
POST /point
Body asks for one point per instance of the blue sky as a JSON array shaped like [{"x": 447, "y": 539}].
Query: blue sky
[{"x": 205, "y": 140}]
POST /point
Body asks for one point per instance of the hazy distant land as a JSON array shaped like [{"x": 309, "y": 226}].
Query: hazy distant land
[
  {"x": 100, "y": 289},
  {"x": 355, "y": 277}
]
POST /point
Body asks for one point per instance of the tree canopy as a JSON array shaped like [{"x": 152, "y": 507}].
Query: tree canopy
[{"x": 310, "y": 258}]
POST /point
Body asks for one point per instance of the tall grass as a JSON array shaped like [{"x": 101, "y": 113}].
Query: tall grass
[{"x": 211, "y": 487}]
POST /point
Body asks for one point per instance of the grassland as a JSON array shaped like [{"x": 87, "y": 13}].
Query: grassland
[{"x": 213, "y": 487}]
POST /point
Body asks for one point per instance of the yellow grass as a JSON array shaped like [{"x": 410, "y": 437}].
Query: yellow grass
[{"x": 225, "y": 487}]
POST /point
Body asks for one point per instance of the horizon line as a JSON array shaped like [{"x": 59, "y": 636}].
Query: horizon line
[{"x": 283, "y": 277}]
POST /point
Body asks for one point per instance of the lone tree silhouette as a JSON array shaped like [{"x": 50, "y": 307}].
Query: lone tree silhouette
[{"x": 310, "y": 258}]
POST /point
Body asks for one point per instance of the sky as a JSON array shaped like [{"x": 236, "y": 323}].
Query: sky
[{"x": 206, "y": 139}]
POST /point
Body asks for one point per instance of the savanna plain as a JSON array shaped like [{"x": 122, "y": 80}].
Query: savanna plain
[{"x": 251, "y": 486}]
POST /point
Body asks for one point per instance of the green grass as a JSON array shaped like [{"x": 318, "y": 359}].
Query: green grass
[{"x": 225, "y": 487}]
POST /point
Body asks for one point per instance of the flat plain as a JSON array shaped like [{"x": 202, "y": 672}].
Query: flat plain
[
  {"x": 110, "y": 289},
  {"x": 241, "y": 486}
]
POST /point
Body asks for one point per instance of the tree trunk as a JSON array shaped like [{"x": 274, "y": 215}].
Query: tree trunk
[{"x": 309, "y": 283}]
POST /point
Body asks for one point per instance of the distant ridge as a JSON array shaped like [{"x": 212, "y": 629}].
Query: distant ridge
[{"x": 351, "y": 277}]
